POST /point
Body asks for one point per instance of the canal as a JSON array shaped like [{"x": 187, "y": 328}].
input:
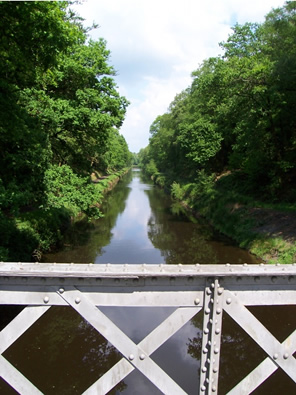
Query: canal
[{"x": 63, "y": 354}]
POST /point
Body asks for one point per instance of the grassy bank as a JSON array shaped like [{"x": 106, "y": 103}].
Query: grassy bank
[
  {"x": 266, "y": 229},
  {"x": 28, "y": 234}
]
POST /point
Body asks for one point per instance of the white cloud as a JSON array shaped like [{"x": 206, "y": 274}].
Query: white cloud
[{"x": 156, "y": 44}]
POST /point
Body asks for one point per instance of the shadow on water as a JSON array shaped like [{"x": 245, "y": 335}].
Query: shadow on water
[{"x": 63, "y": 354}]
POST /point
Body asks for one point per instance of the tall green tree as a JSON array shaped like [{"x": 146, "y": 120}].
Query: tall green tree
[{"x": 238, "y": 114}]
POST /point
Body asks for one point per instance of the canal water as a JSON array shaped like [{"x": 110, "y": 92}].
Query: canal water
[{"x": 63, "y": 354}]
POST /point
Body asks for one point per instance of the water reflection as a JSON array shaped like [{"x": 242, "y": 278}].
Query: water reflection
[
  {"x": 141, "y": 225},
  {"x": 129, "y": 242},
  {"x": 63, "y": 354},
  {"x": 187, "y": 240}
]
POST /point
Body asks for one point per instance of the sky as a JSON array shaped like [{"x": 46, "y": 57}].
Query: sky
[{"x": 156, "y": 44}]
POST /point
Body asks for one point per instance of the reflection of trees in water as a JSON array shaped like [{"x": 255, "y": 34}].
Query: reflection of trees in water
[
  {"x": 63, "y": 354},
  {"x": 84, "y": 241},
  {"x": 179, "y": 240},
  {"x": 240, "y": 354},
  {"x": 194, "y": 344}
]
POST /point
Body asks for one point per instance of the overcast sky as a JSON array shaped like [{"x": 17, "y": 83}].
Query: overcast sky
[{"x": 156, "y": 44}]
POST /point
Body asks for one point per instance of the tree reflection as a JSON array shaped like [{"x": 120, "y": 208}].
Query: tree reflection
[
  {"x": 240, "y": 354},
  {"x": 180, "y": 240},
  {"x": 85, "y": 241},
  {"x": 61, "y": 353}
]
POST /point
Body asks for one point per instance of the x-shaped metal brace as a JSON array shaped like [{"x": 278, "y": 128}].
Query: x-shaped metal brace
[
  {"x": 135, "y": 355},
  {"x": 8, "y": 336},
  {"x": 279, "y": 354}
]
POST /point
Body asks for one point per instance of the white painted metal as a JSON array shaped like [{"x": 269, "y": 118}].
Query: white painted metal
[
  {"x": 136, "y": 355},
  {"x": 261, "y": 372},
  {"x": 211, "y": 340},
  {"x": 283, "y": 352},
  {"x": 133, "y": 271},
  {"x": 188, "y": 288},
  {"x": 150, "y": 344},
  {"x": 15, "y": 379}
]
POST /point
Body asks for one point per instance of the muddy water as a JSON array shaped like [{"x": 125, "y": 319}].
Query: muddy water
[{"x": 63, "y": 354}]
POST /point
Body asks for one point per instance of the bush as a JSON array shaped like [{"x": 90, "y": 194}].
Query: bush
[
  {"x": 177, "y": 191},
  {"x": 66, "y": 189}
]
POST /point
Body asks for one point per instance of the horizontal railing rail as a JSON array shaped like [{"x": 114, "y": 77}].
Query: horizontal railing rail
[{"x": 190, "y": 289}]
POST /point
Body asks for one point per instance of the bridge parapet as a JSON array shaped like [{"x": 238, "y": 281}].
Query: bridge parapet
[{"x": 212, "y": 289}]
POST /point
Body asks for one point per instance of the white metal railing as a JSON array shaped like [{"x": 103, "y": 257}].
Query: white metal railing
[{"x": 190, "y": 289}]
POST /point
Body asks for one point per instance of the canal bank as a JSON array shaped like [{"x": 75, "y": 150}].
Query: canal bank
[
  {"x": 265, "y": 230},
  {"x": 63, "y": 354},
  {"x": 141, "y": 224}
]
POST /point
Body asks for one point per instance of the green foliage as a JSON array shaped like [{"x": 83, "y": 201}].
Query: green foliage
[
  {"x": 177, "y": 191},
  {"x": 75, "y": 193},
  {"x": 24, "y": 238},
  {"x": 60, "y": 112},
  {"x": 274, "y": 250},
  {"x": 238, "y": 114}
]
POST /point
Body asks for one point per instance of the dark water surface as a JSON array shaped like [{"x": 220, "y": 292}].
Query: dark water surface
[
  {"x": 63, "y": 354},
  {"x": 142, "y": 225}
]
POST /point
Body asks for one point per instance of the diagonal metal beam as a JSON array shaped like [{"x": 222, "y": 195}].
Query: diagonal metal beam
[
  {"x": 23, "y": 321},
  {"x": 262, "y": 371},
  {"x": 133, "y": 353},
  {"x": 15, "y": 378},
  {"x": 149, "y": 344},
  {"x": 281, "y": 354},
  {"x": 26, "y": 318}
]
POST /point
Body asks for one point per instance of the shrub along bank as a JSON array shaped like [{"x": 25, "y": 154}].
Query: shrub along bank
[
  {"x": 237, "y": 116},
  {"x": 265, "y": 229},
  {"x": 32, "y": 232}
]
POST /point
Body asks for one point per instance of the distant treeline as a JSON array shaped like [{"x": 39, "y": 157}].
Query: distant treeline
[
  {"x": 238, "y": 117},
  {"x": 60, "y": 116}
]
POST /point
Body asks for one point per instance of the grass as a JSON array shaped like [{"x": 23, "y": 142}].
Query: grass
[{"x": 230, "y": 209}]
